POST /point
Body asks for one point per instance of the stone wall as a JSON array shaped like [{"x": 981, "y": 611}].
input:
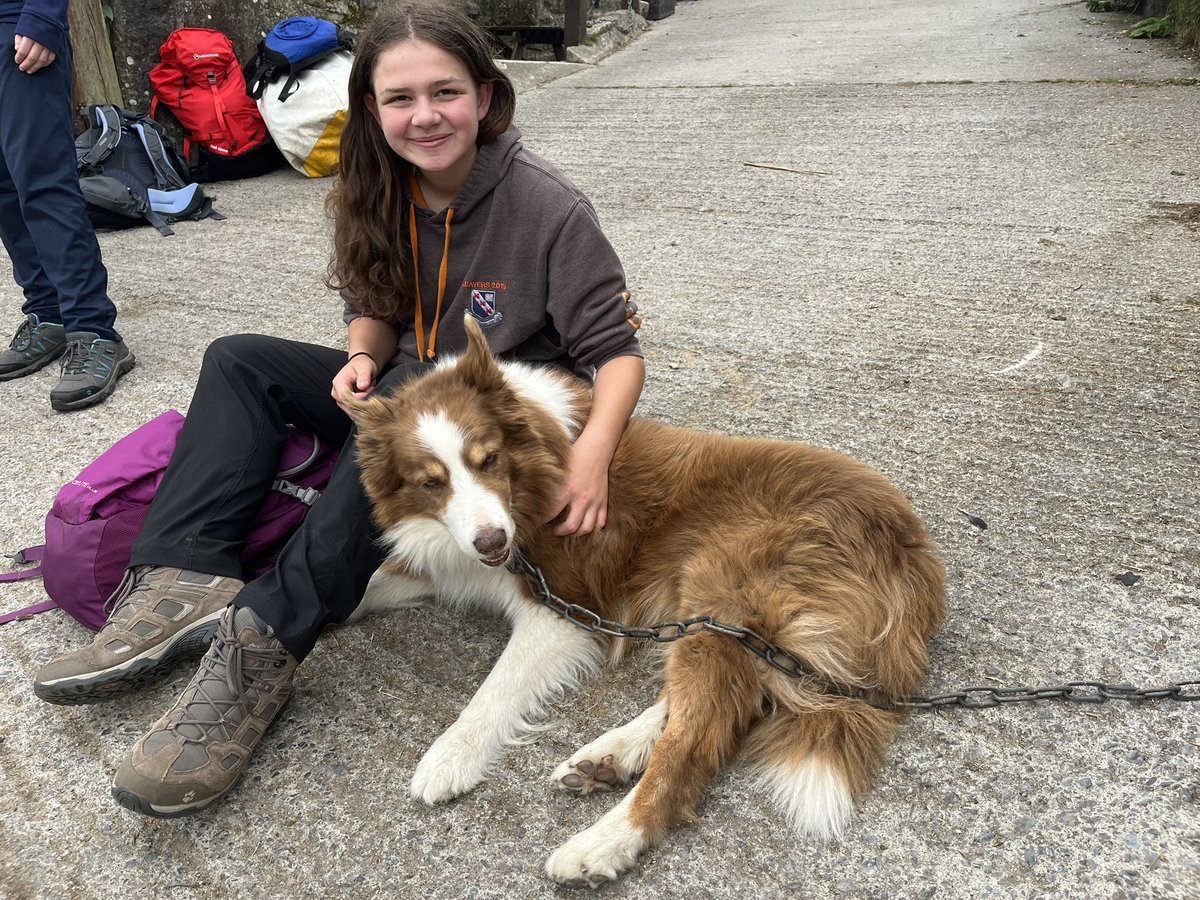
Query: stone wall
[
  {"x": 514, "y": 12},
  {"x": 139, "y": 27},
  {"x": 532, "y": 12}
]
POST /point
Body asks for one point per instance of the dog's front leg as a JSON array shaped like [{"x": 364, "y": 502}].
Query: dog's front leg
[
  {"x": 545, "y": 655},
  {"x": 388, "y": 591}
]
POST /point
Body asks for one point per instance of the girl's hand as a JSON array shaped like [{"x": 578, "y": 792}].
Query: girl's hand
[
  {"x": 356, "y": 377},
  {"x": 584, "y": 496}
]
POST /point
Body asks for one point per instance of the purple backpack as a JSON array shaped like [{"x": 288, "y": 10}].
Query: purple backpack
[{"x": 95, "y": 518}]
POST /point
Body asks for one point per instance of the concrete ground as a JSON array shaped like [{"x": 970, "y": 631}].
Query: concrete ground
[{"x": 956, "y": 238}]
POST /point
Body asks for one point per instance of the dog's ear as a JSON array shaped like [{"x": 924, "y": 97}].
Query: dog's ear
[
  {"x": 478, "y": 365},
  {"x": 366, "y": 411}
]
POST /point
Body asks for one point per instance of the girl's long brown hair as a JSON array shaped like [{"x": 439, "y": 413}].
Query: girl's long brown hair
[{"x": 371, "y": 263}]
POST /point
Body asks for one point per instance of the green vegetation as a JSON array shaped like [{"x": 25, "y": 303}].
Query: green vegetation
[
  {"x": 358, "y": 15},
  {"x": 1160, "y": 27},
  {"x": 1186, "y": 15},
  {"x": 1181, "y": 20}
]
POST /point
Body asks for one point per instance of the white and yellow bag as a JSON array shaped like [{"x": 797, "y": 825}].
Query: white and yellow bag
[{"x": 306, "y": 124}]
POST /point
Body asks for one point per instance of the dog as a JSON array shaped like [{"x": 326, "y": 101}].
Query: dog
[{"x": 814, "y": 552}]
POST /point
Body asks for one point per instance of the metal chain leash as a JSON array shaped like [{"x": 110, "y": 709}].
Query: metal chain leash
[{"x": 794, "y": 667}]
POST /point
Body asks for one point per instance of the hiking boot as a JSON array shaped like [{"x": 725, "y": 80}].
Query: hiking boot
[
  {"x": 89, "y": 370},
  {"x": 199, "y": 749},
  {"x": 159, "y": 614},
  {"x": 35, "y": 345}
]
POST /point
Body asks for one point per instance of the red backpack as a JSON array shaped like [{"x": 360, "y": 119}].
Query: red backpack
[{"x": 200, "y": 81}]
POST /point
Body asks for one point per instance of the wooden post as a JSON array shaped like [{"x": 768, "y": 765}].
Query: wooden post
[
  {"x": 95, "y": 72},
  {"x": 575, "y": 28}
]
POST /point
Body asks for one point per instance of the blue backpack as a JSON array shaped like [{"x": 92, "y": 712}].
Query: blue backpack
[{"x": 292, "y": 46}]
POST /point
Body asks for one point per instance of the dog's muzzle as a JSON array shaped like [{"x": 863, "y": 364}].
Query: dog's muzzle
[{"x": 492, "y": 547}]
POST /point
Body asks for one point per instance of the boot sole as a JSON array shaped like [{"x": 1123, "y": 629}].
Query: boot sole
[
  {"x": 36, "y": 366},
  {"x": 127, "y": 799},
  {"x": 122, "y": 368},
  {"x": 99, "y": 686},
  {"x": 135, "y": 802}
]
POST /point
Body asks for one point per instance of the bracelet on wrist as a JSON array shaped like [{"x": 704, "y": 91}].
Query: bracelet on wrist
[{"x": 362, "y": 353}]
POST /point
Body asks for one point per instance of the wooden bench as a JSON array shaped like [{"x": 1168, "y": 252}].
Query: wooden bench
[{"x": 572, "y": 33}]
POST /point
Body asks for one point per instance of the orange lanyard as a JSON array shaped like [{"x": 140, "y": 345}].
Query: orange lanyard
[{"x": 419, "y": 197}]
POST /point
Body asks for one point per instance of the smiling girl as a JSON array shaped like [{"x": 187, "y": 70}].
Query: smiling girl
[{"x": 439, "y": 212}]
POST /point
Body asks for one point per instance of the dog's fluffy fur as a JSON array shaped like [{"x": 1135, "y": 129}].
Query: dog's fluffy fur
[{"x": 812, "y": 550}]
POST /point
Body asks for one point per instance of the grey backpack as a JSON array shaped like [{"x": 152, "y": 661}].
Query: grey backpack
[{"x": 131, "y": 173}]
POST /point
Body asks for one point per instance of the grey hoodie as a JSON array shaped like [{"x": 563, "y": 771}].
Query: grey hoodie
[{"x": 528, "y": 260}]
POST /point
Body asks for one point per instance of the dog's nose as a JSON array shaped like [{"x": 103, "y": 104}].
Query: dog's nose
[{"x": 489, "y": 542}]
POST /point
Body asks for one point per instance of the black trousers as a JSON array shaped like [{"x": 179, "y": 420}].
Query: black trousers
[{"x": 251, "y": 387}]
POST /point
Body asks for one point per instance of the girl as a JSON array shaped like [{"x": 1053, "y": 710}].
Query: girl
[{"x": 439, "y": 212}]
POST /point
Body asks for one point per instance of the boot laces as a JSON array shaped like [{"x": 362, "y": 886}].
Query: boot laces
[
  {"x": 78, "y": 356},
  {"x": 232, "y": 675},
  {"x": 23, "y": 339},
  {"x": 122, "y": 604}
]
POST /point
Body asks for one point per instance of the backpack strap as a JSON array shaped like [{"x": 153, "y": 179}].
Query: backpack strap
[
  {"x": 294, "y": 69},
  {"x": 120, "y": 193},
  {"x": 187, "y": 141},
  {"x": 185, "y": 203},
  {"x": 179, "y": 203},
  {"x": 306, "y": 495},
  {"x": 207, "y": 212},
  {"x": 290, "y": 86},
  {"x": 29, "y": 554},
  {"x": 303, "y": 464},
  {"x": 163, "y": 170},
  {"x": 257, "y": 81},
  {"x": 258, "y": 73},
  {"x": 28, "y": 611},
  {"x": 220, "y": 110},
  {"x": 158, "y": 222},
  {"x": 20, "y": 574},
  {"x": 108, "y": 120}
]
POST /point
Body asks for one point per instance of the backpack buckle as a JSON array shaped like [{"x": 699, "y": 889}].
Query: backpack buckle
[{"x": 308, "y": 496}]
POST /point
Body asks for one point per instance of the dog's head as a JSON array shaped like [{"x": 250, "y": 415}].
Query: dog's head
[{"x": 458, "y": 459}]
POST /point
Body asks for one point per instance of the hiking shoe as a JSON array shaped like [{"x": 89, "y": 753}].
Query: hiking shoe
[
  {"x": 158, "y": 615},
  {"x": 198, "y": 750},
  {"x": 35, "y": 345},
  {"x": 90, "y": 370}
]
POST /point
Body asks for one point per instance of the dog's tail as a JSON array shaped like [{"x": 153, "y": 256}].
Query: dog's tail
[
  {"x": 816, "y": 751},
  {"x": 816, "y": 764}
]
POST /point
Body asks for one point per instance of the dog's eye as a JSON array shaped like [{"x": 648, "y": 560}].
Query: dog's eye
[
  {"x": 490, "y": 461},
  {"x": 433, "y": 485}
]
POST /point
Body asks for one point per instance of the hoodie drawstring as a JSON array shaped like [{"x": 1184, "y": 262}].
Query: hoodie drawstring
[{"x": 417, "y": 196}]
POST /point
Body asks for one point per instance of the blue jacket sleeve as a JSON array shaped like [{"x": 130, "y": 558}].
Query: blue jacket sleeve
[{"x": 45, "y": 21}]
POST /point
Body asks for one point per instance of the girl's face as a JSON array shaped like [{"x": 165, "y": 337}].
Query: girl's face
[{"x": 429, "y": 108}]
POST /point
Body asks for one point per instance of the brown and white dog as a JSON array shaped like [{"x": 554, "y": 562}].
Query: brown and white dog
[{"x": 812, "y": 550}]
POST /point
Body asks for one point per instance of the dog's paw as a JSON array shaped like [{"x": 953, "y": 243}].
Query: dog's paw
[
  {"x": 578, "y": 870},
  {"x": 614, "y": 757},
  {"x": 451, "y": 767},
  {"x": 582, "y": 775},
  {"x": 598, "y": 854}
]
